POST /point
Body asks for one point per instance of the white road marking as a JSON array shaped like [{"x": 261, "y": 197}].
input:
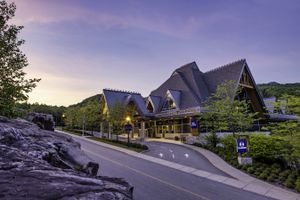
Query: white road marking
[
  {"x": 171, "y": 150},
  {"x": 186, "y": 155},
  {"x": 161, "y": 155},
  {"x": 173, "y": 156}
]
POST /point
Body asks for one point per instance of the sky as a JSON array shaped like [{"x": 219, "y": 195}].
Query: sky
[{"x": 79, "y": 47}]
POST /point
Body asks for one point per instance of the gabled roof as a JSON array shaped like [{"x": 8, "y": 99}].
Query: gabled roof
[
  {"x": 155, "y": 101},
  {"x": 179, "y": 82},
  {"x": 195, "y": 86},
  {"x": 113, "y": 96},
  {"x": 231, "y": 71},
  {"x": 175, "y": 96}
]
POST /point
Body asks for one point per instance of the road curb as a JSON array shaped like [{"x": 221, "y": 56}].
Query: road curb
[{"x": 255, "y": 186}]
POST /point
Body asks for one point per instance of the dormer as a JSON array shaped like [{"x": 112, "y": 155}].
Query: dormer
[{"x": 172, "y": 100}]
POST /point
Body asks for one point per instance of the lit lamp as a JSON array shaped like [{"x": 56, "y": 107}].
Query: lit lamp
[
  {"x": 127, "y": 129},
  {"x": 63, "y": 120},
  {"x": 127, "y": 119}
]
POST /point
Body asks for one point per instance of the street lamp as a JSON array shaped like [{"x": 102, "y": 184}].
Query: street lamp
[
  {"x": 128, "y": 128},
  {"x": 63, "y": 121}
]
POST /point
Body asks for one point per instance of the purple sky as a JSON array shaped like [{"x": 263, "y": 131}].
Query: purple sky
[{"x": 79, "y": 47}]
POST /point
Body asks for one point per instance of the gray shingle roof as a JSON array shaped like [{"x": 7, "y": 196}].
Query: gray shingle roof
[
  {"x": 232, "y": 71},
  {"x": 114, "y": 96}
]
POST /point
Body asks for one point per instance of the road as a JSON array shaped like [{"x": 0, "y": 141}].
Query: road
[
  {"x": 154, "y": 181},
  {"x": 181, "y": 155}
]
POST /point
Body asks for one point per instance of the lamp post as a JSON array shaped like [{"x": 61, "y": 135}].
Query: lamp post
[
  {"x": 63, "y": 121},
  {"x": 128, "y": 128}
]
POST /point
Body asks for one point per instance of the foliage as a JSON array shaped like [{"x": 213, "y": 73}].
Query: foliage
[
  {"x": 277, "y": 90},
  {"x": 212, "y": 139},
  {"x": 224, "y": 112},
  {"x": 87, "y": 115},
  {"x": 13, "y": 85},
  {"x": 22, "y": 109},
  {"x": 117, "y": 117}
]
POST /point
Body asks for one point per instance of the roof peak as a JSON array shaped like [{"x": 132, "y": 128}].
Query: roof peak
[
  {"x": 121, "y": 91},
  {"x": 226, "y": 65}
]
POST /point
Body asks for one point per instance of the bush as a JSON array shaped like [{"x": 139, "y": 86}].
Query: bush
[
  {"x": 266, "y": 148},
  {"x": 283, "y": 175},
  {"x": 212, "y": 139},
  {"x": 290, "y": 183},
  {"x": 271, "y": 178},
  {"x": 297, "y": 185},
  {"x": 263, "y": 175},
  {"x": 229, "y": 143},
  {"x": 250, "y": 170}
]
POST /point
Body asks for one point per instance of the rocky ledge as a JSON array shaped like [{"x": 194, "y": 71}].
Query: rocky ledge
[{"x": 40, "y": 164}]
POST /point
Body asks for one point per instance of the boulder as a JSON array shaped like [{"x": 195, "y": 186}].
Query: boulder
[
  {"x": 44, "y": 121},
  {"x": 40, "y": 164}
]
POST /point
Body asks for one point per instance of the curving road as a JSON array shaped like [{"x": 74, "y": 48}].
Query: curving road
[
  {"x": 153, "y": 181},
  {"x": 179, "y": 154}
]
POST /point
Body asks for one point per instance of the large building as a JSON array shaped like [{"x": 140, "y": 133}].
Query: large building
[{"x": 170, "y": 109}]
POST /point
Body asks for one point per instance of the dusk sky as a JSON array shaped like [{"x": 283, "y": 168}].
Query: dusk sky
[{"x": 79, "y": 47}]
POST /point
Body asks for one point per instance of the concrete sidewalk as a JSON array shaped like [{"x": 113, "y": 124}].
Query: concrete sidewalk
[{"x": 240, "y": 180}]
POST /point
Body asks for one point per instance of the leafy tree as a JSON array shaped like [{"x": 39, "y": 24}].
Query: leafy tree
[
  {"x": 224, "y": 112},
  {"x": 13, "y": 85},
  {"x": 117, "y": 117}
]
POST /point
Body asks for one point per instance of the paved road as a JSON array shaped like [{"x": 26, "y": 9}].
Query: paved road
[
  {"x": 181, "y": 155},
  {"x": 154, "y": 181}
]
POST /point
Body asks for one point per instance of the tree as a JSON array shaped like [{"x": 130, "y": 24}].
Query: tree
[
  {"x": 117, "y": 117},
  {"x": 13, "y": 85},
  {"x": 224, "y": 112}
]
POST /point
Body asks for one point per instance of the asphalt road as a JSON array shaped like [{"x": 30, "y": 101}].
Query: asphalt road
[
  {"x": 179, "y": 154},
  {"x": 152, "y": 181}
]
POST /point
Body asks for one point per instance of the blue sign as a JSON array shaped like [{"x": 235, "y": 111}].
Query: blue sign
[
  {"x": 194, "y": 123},
  {"x": 241, "y": 145},
  {"x": 128, "y": 127}
]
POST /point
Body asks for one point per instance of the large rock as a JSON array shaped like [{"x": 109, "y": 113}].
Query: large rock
[
  {"x": 39, "y": 164},
  {"x": 44, "y": 121}
]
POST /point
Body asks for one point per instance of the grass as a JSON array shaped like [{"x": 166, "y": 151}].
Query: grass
[{"x": 133, "y": 146}]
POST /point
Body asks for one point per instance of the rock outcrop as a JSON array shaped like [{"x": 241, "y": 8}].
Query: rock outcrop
[
  {"x": 39, "y": 164},
  {"x": 44, "y": 121}
]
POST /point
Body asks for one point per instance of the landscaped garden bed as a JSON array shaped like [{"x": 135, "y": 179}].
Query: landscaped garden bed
[{"x": 272, "y": 159}]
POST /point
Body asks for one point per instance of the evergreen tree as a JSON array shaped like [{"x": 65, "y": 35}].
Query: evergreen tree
[{"x": 13, "y": 85}]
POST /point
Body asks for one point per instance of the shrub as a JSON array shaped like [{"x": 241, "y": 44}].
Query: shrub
[
  {"x": 283, "y": 175},
  {"x": 266, "y": 148},
  {"x": 250, "y": 170},
  {"x": 297, "y": 185},
  {"x": 271, "y": 178},
  {"x": 290, "y": 183},
  {"x": 212, "y": 139},
  {"x": 263, "y": 175}
]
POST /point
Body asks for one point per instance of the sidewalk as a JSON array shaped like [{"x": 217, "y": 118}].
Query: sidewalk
[
  {"x": 241, "y": 180},
  {"x": 246, "y": 181}
]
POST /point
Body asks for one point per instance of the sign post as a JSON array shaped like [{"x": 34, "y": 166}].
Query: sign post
[
  {"x": 128, "y": 128},
  {"x": 242, "y": 146},
  {"x": 194, "y": 126}
]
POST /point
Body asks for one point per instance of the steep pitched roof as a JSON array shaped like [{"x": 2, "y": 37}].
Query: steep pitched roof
[
  {"x": 180, "y": 82},
  {"x": 231, "y": 71},
  {"x": 155, "y": 101},
  {"x": 113, "y": 96},
  {"x": 175, "y": 95}
]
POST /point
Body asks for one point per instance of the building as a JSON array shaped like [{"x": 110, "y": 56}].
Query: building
[{"x": 170, "y": 110}]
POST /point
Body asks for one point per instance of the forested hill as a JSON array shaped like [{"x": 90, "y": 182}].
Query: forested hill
[
  {"x": 86, "y": 101},
  {"x": 277, "y": 89}
]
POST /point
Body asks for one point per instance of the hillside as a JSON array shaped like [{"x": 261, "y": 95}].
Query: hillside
[
  {"x": 277, "y": 89},
  {"x": 84, "y": 102}
]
